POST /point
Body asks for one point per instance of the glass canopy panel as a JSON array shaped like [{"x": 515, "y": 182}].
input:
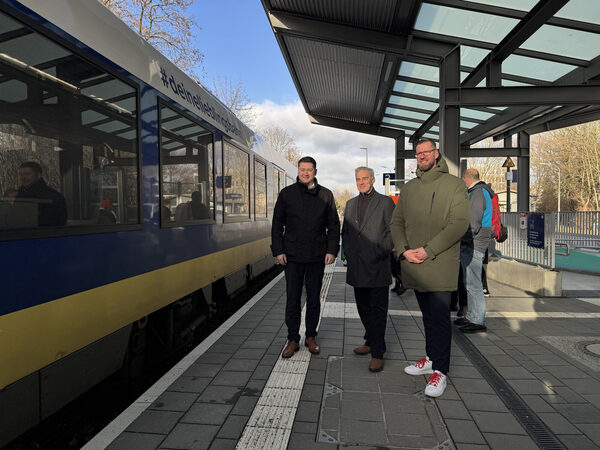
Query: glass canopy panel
[
  {"x": 520, "y": 5},
  {"x": 565, "y": 42},
  {"x": 431, "y": 135},
  {"x": 463, "y": 24},
  {"x": 419, "y": 71},
  {"x": 583, "y": 10},
  {"x": 416, "y": 88},
  {"x": 413, "y": 103},
  {"x": 472, "y": 56},
  {"x": 514, "y": 83},
  {"x": 540, "y": 69},
  {"x": 475, "y": 114},
  {"x": 417, "y": 116},
  {"x": 401, "y": 123}
]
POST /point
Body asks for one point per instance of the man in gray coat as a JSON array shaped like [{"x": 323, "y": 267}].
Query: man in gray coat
[{"x": 367, "y": 244}]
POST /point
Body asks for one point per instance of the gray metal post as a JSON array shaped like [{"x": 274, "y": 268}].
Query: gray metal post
[
  {"x": 400, "y": 148},
  {"x": 523, "y": 173},
  {"x": 450, "y": 115},
  {"x": 463, "y": 167},
  {"x": 508, "y": 143}
]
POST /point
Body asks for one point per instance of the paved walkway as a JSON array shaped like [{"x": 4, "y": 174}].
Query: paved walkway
[{"x": 540, "y": 373}]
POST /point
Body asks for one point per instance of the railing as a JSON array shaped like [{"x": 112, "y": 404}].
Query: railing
[
  {"x": 562, "y": 231},
  {"x": 580, "y": 229},
  {"x": 516, "y": 247}
]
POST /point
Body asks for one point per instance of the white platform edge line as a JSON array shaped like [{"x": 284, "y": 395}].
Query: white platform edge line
[{"x": 109, "y": 433}]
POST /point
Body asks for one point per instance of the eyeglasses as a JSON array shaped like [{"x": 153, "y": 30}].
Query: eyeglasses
[{"x": 425, "y": 152}]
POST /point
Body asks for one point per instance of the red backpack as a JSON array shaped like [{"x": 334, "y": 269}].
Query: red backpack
[{"x": 500, "y": 232}]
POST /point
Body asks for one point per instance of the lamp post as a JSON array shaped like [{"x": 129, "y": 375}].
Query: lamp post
[{"x": 366, "y": 149}]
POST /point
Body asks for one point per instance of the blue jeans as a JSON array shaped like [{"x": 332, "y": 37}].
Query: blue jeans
[{"x": 471, "y": 261}]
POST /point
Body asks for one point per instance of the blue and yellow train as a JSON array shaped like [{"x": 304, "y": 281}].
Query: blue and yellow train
[{"x": 168, "y": 200}]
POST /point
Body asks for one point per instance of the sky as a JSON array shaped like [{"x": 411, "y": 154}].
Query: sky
[{"x": 238, "y": 43}]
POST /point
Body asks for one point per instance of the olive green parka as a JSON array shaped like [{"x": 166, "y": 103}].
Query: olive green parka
[{"x": 432, "y": 212}]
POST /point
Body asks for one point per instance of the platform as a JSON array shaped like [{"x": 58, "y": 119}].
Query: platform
[{"x": 531, "y": 381}]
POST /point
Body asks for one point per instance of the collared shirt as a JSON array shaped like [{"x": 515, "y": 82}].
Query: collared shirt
[{"x": 363, "y": 204}]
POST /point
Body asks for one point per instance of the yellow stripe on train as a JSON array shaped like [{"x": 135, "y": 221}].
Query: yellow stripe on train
[{"x": 35, "y": 337}]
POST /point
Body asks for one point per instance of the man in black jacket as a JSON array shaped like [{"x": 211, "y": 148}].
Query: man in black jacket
[
  {"x": 305, "y": 236},
  {"x": 367, "y": 243},
  {"x": 52, "y": 207}
]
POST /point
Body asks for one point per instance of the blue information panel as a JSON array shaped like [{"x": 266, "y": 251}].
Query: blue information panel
[{"x": 535, "y": 230}]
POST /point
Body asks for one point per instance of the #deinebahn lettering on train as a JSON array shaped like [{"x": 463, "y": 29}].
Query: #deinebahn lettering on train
[{"x": 180, "y": 90}]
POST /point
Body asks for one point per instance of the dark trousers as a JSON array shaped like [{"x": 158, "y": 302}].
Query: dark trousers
[
  {"x": 298, "y": 274},
  {"x": 435, "y": 307},
  {"x": 372, "y": 305}
]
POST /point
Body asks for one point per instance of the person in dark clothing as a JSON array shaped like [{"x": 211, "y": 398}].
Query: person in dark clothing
[
  {"x": 367, "y": 241},
  {"x": 305, "y": 236},
  {"x": 52, "y": 207}
]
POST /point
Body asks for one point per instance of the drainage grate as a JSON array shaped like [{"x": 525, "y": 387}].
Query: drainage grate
[{"x": 534, "y": 426}]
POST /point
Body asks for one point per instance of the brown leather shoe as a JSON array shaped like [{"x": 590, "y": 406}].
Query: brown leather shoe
[
  {"x": 376, "y": 365},
  {"x": 362, "y": 350},
  {"x": 311, "y": 343},
  {"x": 289, "y": 350}
]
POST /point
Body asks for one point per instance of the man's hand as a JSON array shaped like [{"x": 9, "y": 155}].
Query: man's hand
[
  {"x": 421, "y": 254},
  {"x": 281, "y": 259},
  {"x": 329, "y": 258},
  {"x": 415, "y": 256}
]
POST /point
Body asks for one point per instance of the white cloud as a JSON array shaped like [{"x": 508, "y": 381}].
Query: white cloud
[{"x": 337, "y": 152}]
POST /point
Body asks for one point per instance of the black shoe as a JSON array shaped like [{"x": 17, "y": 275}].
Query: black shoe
[
  {"x": 400, "y": 290},
  {"x": 461, "y": 322},
  {"x": 473, "y": 328},
  {"x": 461, "y": 312},
  {"x": 486, "y": 293}
]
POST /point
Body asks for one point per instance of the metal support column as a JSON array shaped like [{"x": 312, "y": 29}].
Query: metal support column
[
  {"x": 508, "y": 143},
  {"x": 450, "y": 115},
  {"x": 523, "y": 174},
  {"x": 400, "y": 159}
]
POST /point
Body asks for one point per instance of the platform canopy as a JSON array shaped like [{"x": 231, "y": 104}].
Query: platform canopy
[{"x": 496, "y": 67}]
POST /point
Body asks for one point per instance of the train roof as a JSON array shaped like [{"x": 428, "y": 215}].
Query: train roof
[{"x": 98, "y": 28}]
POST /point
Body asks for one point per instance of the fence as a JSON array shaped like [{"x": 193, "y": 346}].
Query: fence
[
  {"x": 580, "y": 229},
  {"x": 516, "y": 247}
]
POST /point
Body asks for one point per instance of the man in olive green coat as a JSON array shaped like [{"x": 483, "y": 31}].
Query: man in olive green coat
[{"x": 431, "y": 216}]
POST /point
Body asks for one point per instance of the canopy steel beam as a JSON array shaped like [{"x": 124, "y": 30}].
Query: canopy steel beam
[
  {"x": 570, "y": 120},
  {"x": 534, "y": 19},
  {"x": 349, "y": 36},
  {"x": 516, "y": 14},
  {"x": 524, "y": 96},
  {"x": 555, "y": 114},
  {"x": 494, "y": 152},
  {"x": 353, "y": 126}
]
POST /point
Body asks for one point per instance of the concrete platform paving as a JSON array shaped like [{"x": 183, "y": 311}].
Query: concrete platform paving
[{"x": 538, "y": 346}]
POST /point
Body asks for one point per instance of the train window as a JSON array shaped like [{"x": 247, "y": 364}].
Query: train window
[
  {"x": 260, "y": 190},
  {"x": 278, "y": 183},
  {"x": 68, "y": 138},
  {"x": 186, "y": 158},
  {"x": 236, "y": 165}
]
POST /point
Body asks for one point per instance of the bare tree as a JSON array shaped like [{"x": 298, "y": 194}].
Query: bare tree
[
  {"x": 571, "y": 156},
  {"x": 281, "y": 141},
  {"x": 235, "y": 97},
  {"x": 167, "y": 25},
  {"x": 341, "y": 197}
]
